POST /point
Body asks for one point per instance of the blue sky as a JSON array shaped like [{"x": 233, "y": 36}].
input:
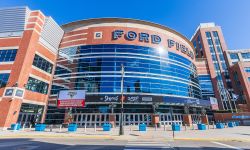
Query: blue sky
[{"x": 182, "y": 15}]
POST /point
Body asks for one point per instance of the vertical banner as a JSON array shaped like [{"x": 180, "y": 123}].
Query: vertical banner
[
  {"x": 214, "y": 103},
  {"x": 71, "y": 98}
]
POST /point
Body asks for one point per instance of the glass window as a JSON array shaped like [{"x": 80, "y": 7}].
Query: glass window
[
  {"x": 208, "y": 34},
  {"x": 42, "y": 63},
  {"x": 145, "y": 70},
  {"x": 245, "y": 55},
  {"x": 36, "y": 85},
  {"x": 234, "y": 56},
  {"x": 8, "y": 55},
  {"x": 194, "y": 43},
  {"x": 4, "y": 79},
  {"x": 215, "y": 34},
  {"x": 224, "y": 66},
  {"x": 214, "y": 57},
  {"x": 247, "y": 69}
]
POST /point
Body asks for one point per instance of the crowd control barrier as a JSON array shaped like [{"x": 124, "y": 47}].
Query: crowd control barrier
[
  {"x": 231, "y": 124},
  {"x": 176, "y": 127},
  {"x": 106, "y": 127},
  {"x": 219, "y": 125},
  {"x": 201, "y": 126},
  {"x": 237, "y": 123},
  {"x": 16, "y": 126},
  {"x": 72, "y": 127},
  {"x": 40, "y": 127},
  {"x": 142, "y": 127}
]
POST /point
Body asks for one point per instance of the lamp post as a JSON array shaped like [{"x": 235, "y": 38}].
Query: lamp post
[
  {"x": 121, "y": 130},
  {"x": 171, "y": 115}
]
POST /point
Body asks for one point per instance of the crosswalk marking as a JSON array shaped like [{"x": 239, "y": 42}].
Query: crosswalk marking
[
  {"x": 146, "y": 145},
  {"x": 228, "y": 146}
]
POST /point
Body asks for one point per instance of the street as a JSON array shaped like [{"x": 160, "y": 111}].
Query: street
[{"x": 112, "y": 144}]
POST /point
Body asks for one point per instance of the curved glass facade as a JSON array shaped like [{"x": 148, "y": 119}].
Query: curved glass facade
[{"x": 97, "y": 69}]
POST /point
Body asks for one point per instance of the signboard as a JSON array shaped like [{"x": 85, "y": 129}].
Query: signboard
[
  {"x": 71, "y": 98},
  {"x": 127, "y": 98},
  {"x": 240, "y": 117},
  {"x": 154, "y": 39},
  {"x": 14, "y": 92},
  {"x": 146, "y": 99},
  {"x": 214, "y": 103}
]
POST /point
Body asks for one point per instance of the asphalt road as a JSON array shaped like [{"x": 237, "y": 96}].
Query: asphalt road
[{"x": 108, "y": 144}]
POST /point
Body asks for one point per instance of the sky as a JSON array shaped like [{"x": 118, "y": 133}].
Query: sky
[{"x": 183, "y": 16}]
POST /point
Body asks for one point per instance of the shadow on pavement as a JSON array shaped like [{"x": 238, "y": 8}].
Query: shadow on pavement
[{"x": 80, "y": 144}]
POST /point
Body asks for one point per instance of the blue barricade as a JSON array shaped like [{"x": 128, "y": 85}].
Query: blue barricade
[
  {"x": 40, "y": 127},
  {"x": 106, "y": 127},
  {"x": 72, "y": 127},
  {"x": 142, "y": 127},
  {"x": 231, "y": 124},
  {"x": 219, "y": 125},
  {"x": 201, "y": 126},
  {"x": 176, "y": 127},
  {"x": 237, "y": 123},
  {"x": 16, "y": 126}
]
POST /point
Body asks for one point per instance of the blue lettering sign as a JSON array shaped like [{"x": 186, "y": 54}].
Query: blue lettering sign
[
  {"x": 177, "y": 46},
  {"x": 143, "y": 37},
  {"x": 131, "y": 35},
  {"x": 183, "y": 49},
  {"x": 117, "y": 34},
  {"x": 170, "y": 43},
  {"x": 155, "y": 39}
]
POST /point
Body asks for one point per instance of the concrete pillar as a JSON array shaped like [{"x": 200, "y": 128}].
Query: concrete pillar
[
  {"x": 187, "y": 119},
  {"x": 112, "y": 119},
  {"x": 204, "y": 119},
  {"x": 9, "y": 111},
  {"x": 155, "y": 118}
]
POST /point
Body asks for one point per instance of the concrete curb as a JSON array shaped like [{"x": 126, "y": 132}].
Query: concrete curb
[
  {"x": 213, "y": 139},
  {"x": 57, "y": 136}
]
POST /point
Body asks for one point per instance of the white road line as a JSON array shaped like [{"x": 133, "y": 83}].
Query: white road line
[
  {"x": 145, "y": 145},
  {"x": 228, "y": 146}
]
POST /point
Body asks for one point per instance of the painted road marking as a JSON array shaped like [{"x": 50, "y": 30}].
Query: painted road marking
[
  {"x": 228, "y": 146},
  {"x": 146, "y": 145}
]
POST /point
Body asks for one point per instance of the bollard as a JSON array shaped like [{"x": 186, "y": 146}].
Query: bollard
[
  {"x": 185, "y": 127},
  {"x": 23, "y": 126},
  {"x": 130, "y": 127},
  {"x": 50, "y": 128},
  {"x": 95, "y": 127},
  {"x": 60, "y": 128},
  {"x": 30, "y": 126},
  {"x": 192, "y": 126},
  {"x": 164, "y": 126},
  {"x": 85, "y": 127},
  {"x": 155, "y": 127}
]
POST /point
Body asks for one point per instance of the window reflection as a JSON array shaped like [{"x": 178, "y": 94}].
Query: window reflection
[{"x": 97, "y": 69}]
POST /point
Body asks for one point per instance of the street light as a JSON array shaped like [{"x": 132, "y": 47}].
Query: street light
[
  {"x": 121, "y": 131},
  {"x": 171, "y": 115}
]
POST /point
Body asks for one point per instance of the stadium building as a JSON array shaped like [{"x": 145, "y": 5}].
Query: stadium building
[{"x": 159, "y": 71}]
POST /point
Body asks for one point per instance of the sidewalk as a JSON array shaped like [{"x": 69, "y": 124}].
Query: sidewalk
[{"x": 241, "y": 133}]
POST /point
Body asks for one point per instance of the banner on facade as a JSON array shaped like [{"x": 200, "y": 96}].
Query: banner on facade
[
  {"x": 214, "y": 103},
  {"x": 71, "y": 98}
]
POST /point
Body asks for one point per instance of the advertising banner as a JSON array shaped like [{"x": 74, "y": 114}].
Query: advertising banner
[
  {"x": 150, "y": 99},
  {"x": 127, "y": 98},
  {"x": 214, "y": 103},
  {"x": 71, "y": 98}
]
